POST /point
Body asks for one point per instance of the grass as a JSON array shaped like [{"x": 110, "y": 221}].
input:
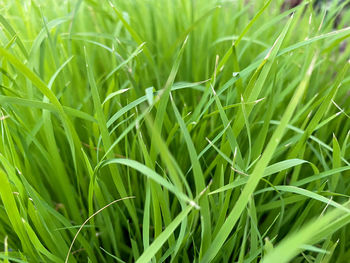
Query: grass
[{"x": 174, "y": 131}]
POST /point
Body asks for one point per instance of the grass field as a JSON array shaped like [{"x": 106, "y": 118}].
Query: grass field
[{"x": 174, "y": 131}]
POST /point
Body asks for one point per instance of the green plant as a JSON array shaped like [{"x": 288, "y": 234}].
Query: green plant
[{"x": 174, "y": 131}]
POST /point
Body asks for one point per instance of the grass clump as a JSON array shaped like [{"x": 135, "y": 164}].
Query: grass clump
[{"x": 174, "y": 131}]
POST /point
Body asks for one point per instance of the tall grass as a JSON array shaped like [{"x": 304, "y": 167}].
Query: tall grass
[{"x": 174, "y": 131}]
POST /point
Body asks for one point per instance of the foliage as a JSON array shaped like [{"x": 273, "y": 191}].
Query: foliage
[{"x": 174, "y": 131}]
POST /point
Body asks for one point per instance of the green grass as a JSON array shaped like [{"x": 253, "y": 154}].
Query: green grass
[{"x": 174, "y": 131}]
